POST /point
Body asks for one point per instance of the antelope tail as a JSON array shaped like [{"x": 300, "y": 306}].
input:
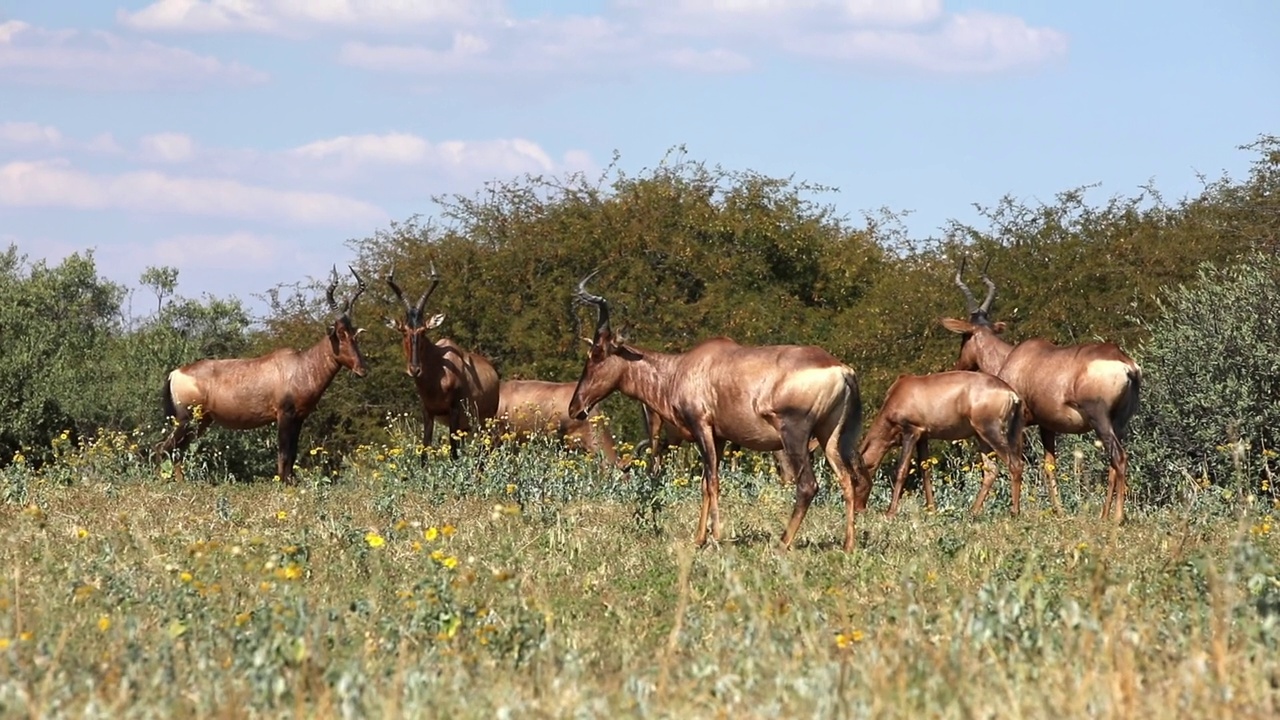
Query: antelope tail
[
  {"x": 1013, "y": 421},
  {"x": 166, "y": 399},
  {"x": 851, "y": 424}
]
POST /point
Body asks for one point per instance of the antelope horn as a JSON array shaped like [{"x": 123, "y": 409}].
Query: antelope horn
[
  {"x": 360, "y": 288},
  {"x": 970, "y": 301},
  {"x": 602, "y": 306},
  {"x": 435, "y": 280},
  {"x": 333, "y": 304},
  {"x": 991, "y": 289},
  {"x": 408, "y": 309}
]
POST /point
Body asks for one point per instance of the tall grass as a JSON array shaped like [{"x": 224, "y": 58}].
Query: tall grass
[{"x": 528, "y": 583}]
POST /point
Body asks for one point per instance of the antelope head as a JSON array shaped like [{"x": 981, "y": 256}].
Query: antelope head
[
  {"x": 413, "y": 329},
  {"x": 979, "y": 321},
  {"x": 606, "y": 361},
  {"x": 343, "y": 333}
]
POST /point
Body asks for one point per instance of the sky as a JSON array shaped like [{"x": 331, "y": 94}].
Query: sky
[{"x": 244, "y": 142}]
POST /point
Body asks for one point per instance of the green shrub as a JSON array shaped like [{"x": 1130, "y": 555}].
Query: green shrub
[{"x": 1210, "y": 408}]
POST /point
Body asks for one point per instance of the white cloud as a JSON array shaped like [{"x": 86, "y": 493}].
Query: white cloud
[
  {"x": 233, "y": 251},
  {"x": 393, "y": 149},
  {"x": 55, "y": 183},
  {"x": 167, "y": 147},
  {"x": 98, "y": 60},
  {"x": 779, "y": 17},
  {"x": 718, "y": 36},
  {"x": 291, "y": 16},
  {"x": 24, "y": 134},
  {"x": 484, "y": 158},
  {"x": 972, "y": 43}
]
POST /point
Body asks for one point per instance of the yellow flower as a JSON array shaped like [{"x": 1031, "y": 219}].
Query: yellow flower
[
  {"x": 374, "y": 539},
  {"x": 450, "y": 562},
  {"x": 281, "y": 514},
  {"x": 415, "y": 546},
  {"x": 4, "y": 643},
  {"x": 292, "y": 572},
  {"x": 82, "y": 533},
  {"x": 448, "y": 530},
  {"x": 104, "y": 623},
  {"x": 437, "y": 555},
  {"x": 431, "y": 533},
  {"x": 242, "y": 618},
  {"x": 511, "y": 488},
  {"x": 845, "y": 640},
  {"x": 26, "y": 636},
  {"x": 185, "y": 577}
]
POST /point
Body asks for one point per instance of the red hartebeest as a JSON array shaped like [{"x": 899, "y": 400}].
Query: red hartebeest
[
  {"x": 537, "y": 407},
  {"x": 947, "y": 406},
  {"x": 1071, "y": 389},
  {"x": 456, "y": 387},
  {"x": 762, "y": 398},
  {"x": 282, "y": 386},
  {"x": 662, "y": 437}
]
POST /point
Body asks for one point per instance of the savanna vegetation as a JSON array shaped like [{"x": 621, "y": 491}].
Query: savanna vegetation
[{"x": 529, "y": 583}]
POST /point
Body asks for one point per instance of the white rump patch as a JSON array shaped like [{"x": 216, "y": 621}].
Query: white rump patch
[
  {"x": 183, "y": 389},
  {"x": 1108, "y": 375}
]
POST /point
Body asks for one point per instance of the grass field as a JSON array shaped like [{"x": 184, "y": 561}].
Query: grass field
[{"x": 537, "y": 585}]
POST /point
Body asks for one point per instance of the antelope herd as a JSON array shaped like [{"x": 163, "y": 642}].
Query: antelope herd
[{"x": 785, "y": 399}]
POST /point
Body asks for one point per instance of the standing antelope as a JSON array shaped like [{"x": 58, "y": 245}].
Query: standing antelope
[
  {"x": 763, "y": 398},
  {"x": 1070, "y": 389},
  {"x": 537, "y": 407},
  {"x": 282, "y": 386},
  {"x": 947, "y": 406},
  {"x": 663, "y": 437},
  {"x": 457, "y": 387}
]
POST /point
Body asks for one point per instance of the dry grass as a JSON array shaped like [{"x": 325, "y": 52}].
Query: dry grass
[{"x": 378, "y": 597}]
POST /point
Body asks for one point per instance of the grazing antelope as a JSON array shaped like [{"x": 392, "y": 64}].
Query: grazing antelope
[
  {"x": 762, "y": 398},
  {"x": 282, "y": 386},
  {"x": 456, "y": 387},
  {"x": 537, "y": 407},
  {"x": 1071, "y": 389},
  {"x": 947, "y": 406}
]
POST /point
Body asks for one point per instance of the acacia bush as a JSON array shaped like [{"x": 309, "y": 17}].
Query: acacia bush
[{"x": 1210, "y": 408}]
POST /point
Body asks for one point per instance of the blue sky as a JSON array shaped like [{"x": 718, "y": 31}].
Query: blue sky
[{"x": 244, "y": 141}]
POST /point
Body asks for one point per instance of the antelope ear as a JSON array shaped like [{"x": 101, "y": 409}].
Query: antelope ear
[
  {"x": 957, "y": 326},
  {"x": 999, "y": 326},
  {"x": 434, "y": 322},
  {"x": 393, "y": 323},
  {"x": 587, "y": 341},
  {"x": 358, "y": 331}
]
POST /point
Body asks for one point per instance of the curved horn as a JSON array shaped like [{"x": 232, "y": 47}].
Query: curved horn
[
  {"x": 333, "y": 304},
  {"x": 435, "y": 280},
  {"x": 408, "y": 309},
  {"x": 991, "y": 289},
  {"x": 602, "y": 306},
  {"x": 970, "y": 301},
  {"x": 360, "y": 288}
]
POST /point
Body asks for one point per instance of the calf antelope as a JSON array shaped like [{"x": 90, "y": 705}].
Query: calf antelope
[
  {"x": 282, "y": 386},
  {"x": 536, "y": 407},
  {"x": 1071, "y": 389},
  {"x": 947, "y": 406},
  {"x": 456, "y": 387},
  {"x": 762, "y": 398}
]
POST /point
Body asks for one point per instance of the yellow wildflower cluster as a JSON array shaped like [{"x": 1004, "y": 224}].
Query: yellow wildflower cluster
[
  {"x": 1263, "y": 528},
  {"x": 846, "y": 640}
]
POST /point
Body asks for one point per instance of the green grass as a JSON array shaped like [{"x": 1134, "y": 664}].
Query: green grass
[{"x": 529, "y": 585}]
